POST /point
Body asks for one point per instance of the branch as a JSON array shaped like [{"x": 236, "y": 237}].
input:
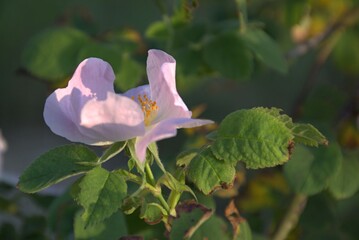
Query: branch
[
  {"x": 299, "y": 201},
  {"x": 291, "y": 218},
  {"x": 344, "y": 20}
]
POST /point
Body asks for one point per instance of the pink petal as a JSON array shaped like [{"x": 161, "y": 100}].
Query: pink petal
[
  {"x": 93, "y": 78},
  {"x": 116, "y": 118},
  {"x": 165, "y": 129},
  {"x": 58, "y": 116},
  {"x": 161, "y": 69}
]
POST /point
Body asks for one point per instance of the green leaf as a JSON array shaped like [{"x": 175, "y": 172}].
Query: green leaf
[
  {"x": 133, "y": 161},
  {"x": 308, "y": 135},
  {"x": 245, "y": 232},
  {"x": 101, "y": 194},
  {"x": 265, "y": 49},
  {"x": 345, "y": 56},
  {"x": 153, "y": 150},
  {"x": 157, "y": 30},
  {"x": 213, "y": 229},
  {"x": 228, "y": 54},
  {"x": 345, "y": 183},
  {"x": 173, "y": 184},
  {"x": 189, "y": 60},
  {"x": 309, "y": 172},
  {"x": 190, "y": 216},
  {"x": 305, "y": 134},
  {"x": 209, "y": 173},
  {"x": 129, "y": 73},
  {"x": 130, "y": 204},
  {"x": 276, "y": 112},
  {"x": 212, "y": 135},
  {"x": 56, "y": 165},
  {"x": 152, "y": 213},
  {"x": 184, "y": 158},
  {"x": 128, "y": 39},
  {"x": 111, "y": 229},
  {"x": 108, "y": 52},
  {"x": 112, "y": 151},
  {"x": 255, "y": 137},
  {"x": 61, "y": 215},
  {"x": 128, "y": 176},
  {"x": 240, "y": 227},
  {"x": 52, "y": 55}
]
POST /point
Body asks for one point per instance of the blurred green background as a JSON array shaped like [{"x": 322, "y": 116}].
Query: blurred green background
[{"x": 217, "y": 72}]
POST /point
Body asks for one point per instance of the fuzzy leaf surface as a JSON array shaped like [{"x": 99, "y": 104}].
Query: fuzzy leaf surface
[
  {"x": 208, "y": 173},
  {"x": 255, "y": 137},
  {"x": 308, "y": 135},
  {"x": 303, "y": 133}
]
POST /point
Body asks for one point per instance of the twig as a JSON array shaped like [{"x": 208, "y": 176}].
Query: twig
[
  {"x": 299, "y": 201},
  {"x": 344, "y": 20},
  {"x": 291, "y": 218},
  {"x": 311, "y": 79}
]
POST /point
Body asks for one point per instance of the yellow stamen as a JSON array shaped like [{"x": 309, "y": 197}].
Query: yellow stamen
[{"x": 148, "y": 106}]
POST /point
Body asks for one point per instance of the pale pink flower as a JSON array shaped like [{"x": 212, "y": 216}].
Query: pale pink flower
[{"x": 89, "y": 111}]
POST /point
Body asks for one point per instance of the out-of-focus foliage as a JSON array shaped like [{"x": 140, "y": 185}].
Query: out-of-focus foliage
[{"x": 229, "y": 56}]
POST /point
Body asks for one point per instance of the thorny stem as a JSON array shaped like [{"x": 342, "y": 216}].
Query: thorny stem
[
  {"x": 151, "y": 180},
  {"x": 291, "y": 218}
]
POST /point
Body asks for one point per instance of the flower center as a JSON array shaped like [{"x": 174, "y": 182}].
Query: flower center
[{"x": 148, "y": 107}]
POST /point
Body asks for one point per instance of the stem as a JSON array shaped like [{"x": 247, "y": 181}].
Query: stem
[
  {"x": 149, "y": 175},
  {"x": 291, "y": 218},
  {"x": 173, "y": 200},
  {"x": 312, "y": 77},
  {"x": 151, "y": 179},
  {"x": 242, "y": 13}
]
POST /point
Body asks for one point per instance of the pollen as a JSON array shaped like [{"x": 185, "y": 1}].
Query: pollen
[{"x": 148, "y": 106}]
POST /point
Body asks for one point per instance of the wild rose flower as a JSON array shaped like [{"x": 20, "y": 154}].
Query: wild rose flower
[{"x": 89, "y": 111}]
